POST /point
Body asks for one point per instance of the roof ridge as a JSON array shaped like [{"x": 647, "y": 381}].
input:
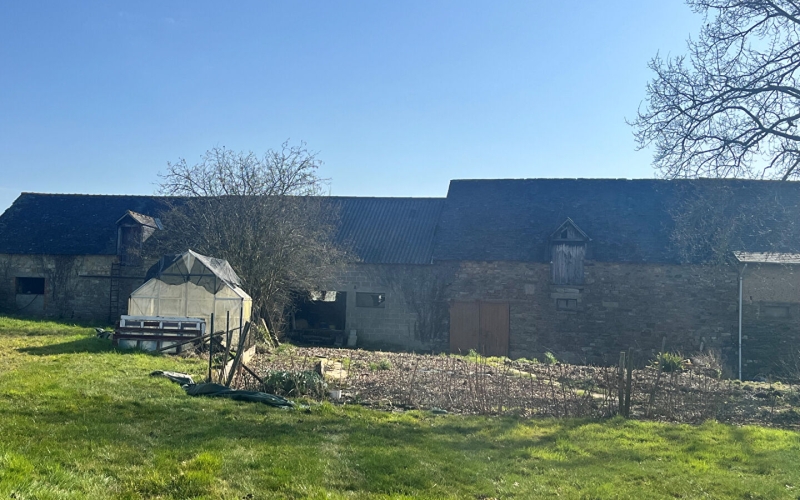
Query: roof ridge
[
  {"x": 98, "y": 195},
  {"x": 623, "y": 179}
]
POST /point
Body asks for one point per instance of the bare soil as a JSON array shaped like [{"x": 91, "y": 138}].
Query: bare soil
[{"x": 499, "y": 386}]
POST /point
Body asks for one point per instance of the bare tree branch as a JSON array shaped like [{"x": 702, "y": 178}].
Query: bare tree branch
[
  {"x": 260, "y": 214},
  {"x": 730, "y": 107}
]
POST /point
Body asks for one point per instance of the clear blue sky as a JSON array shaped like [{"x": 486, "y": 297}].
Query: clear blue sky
[{"x": 397, "y": 97}]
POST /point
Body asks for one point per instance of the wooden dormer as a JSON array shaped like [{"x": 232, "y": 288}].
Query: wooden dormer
[
  {"x": 567, "y": 253},
  {"x": 133, "y": 229},
  {"x": 569, "y": 232}
]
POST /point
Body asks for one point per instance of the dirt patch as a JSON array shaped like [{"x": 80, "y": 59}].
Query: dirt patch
[{"x": 499, "y": 386}]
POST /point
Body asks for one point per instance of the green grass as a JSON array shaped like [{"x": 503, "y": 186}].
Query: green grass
[{"x": 80, "y": 420}]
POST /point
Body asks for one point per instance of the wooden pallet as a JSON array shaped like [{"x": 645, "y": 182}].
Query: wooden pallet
[{"x": 151, "y": 333}]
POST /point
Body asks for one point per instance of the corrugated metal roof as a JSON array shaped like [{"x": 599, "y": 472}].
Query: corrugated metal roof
[{"x": 389, "y": 230}]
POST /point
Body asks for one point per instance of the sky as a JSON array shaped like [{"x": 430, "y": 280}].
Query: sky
[{"x": 397, "y": 98}]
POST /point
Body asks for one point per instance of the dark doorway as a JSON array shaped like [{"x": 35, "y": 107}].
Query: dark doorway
[{"x": 319, "y": 318}]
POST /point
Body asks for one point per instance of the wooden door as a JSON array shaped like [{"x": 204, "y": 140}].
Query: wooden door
[
  {"x": 494, "y": 326},
  {"x": 482, "y": 326},
  {"x": 464, "y": 326}
]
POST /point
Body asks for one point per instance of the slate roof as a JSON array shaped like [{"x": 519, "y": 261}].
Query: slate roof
[
  {"x": 767, "y": 257},
  {"x": 379, "y": 230},
  {"x": 488, "y": 220},
  {"x": 627, "y": 220},
  {"x": 68, "y": 224}
]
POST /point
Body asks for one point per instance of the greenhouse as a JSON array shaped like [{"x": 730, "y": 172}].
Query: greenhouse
[{"x": 191, "y": 285}]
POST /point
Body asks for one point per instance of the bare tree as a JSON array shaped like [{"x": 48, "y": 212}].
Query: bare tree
[
  {"x": 730, "y": 107},
  {"x": 425, "y": 291},
  {"x": 712, "y": 218},
  {"x": 260, "y": 214}
]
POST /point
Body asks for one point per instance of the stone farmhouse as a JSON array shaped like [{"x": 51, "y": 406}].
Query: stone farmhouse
[{"x": 582, "y": 268}]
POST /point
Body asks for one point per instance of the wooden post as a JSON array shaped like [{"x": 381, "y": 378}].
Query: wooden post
[
  {"x": 239, "y": 351},
  {"x": 621, "y": 383},
  {"x": 658, "y": 377},
  {"x": 628, "y": 384},
  {"x": 227, "y": 346},
  {"x": 210, "y": 347}
]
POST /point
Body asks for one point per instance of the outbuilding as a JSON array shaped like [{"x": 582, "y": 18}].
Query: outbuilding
[{"x": 193, "y": 286}]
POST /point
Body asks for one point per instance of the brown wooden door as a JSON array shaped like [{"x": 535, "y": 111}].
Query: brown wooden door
[
  {"x": 494, "y": 328},
  {"x": 464, "y": 326},
  {"x": 483, "y": 326}
]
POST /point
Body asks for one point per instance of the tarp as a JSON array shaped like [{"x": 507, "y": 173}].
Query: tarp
[{"x": 220, "y": 391}]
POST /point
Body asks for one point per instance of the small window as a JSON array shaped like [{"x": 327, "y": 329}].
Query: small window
[
  {"x": 30, "y": 286},
  {"x": 567, "y": 304},
  {"x": 370, "y": 299}
]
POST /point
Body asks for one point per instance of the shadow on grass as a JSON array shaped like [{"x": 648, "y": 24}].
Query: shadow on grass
[
  {"x": 88, "y": 345},
  {"x": 32, "y": 325}
]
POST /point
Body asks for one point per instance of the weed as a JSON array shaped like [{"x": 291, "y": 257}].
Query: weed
[
  {"x": 383, "y": 364},
  {"x": 668, "y": 362},
  {"x": 286, "y": 349},
  {"x": 288, "y": 383}
]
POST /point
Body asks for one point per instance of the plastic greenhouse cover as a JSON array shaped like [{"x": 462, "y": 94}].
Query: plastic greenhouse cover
[{"x": 211, "y": 273}]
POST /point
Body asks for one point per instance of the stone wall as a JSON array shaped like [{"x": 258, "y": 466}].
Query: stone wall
[
  {"x": 75, "y": 287},
  {"x": 638, "y": 305},
  {"x": 620, "y": 306},
  {"x": 771, "y": 317}
]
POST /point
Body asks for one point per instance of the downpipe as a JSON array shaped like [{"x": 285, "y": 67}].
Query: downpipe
[{"x": 741, "y": 278}]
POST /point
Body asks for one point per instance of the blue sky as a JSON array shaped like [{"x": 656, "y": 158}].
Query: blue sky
[{"x": 397, "y": 97}]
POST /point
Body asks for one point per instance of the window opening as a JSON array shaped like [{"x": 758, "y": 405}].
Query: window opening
[
  {"x": 364, "y": 299},
  {"x": 30, "y": 286},
  {"x": 567, "y": 304}
]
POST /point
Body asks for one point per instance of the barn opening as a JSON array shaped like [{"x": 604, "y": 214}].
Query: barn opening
[{"x": 320, "y": 317}]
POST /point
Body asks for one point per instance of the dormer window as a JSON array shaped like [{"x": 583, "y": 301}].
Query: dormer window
[
  {"x": 133, "y": 229},
  {"x": 567, "y": 253}
]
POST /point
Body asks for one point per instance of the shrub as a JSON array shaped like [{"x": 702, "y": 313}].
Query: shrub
[
  {"x": 550, "y": 358},
  {"x": 669, "y": 362},
  {"x": 300, "y": 383},
  {"x": 711, "y": 364}
]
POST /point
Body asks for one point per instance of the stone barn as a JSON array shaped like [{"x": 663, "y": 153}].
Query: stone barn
[{"x": 582, "y": 268}]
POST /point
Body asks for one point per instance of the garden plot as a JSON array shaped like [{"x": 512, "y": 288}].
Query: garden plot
[{"x": 499, "y": 386}]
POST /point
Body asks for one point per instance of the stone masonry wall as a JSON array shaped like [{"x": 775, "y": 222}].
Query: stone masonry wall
[
  {"x": 771, "y": 317},
  {"x": 76, "y": 287},
  {"x": 620, "y": 306}
]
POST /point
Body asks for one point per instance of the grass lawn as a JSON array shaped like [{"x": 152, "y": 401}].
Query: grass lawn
[{"x": 81, "y": 420}]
